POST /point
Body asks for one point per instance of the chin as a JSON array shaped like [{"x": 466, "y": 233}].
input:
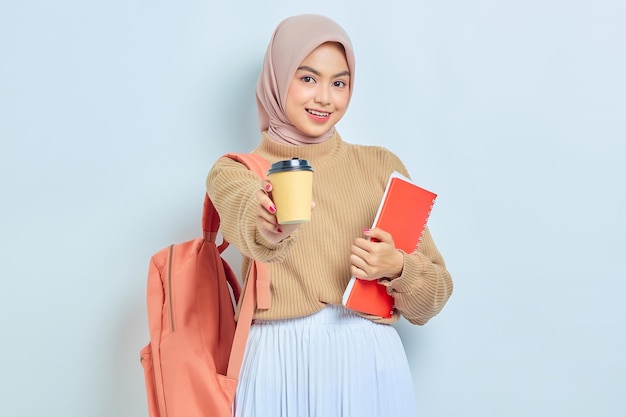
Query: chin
[{"x": 318, "y": 130}]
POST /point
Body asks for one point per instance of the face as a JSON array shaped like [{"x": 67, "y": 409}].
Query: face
[{"x": 319, "y": 91}]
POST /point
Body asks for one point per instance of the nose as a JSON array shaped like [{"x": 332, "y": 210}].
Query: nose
[{"x": 322, "y": 94}]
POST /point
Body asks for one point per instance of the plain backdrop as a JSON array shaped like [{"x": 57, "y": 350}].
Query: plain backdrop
[{"x": 112, "y": 113}]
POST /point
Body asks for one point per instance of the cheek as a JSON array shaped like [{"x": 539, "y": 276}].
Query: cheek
[
  {"x": 291, "y": 108},
  {"x": 295, "y": 98},
  {"x": 342, "y": 101},
  {"x": 297, "y": 95}
]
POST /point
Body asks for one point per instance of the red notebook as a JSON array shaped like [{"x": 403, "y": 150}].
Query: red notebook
[{"x": 403, "y": 212}]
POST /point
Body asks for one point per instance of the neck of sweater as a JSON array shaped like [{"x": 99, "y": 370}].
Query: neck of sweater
[{"x": 319, "y": 155}]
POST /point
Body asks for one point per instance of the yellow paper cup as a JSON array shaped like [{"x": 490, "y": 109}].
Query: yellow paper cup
[{"x": 292, "y": 190}]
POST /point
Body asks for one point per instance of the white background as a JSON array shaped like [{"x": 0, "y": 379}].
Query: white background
[{"x": 112, "y": 112}]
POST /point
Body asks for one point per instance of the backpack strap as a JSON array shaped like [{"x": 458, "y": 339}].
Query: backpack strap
[
  {"x": 211, "y": 222},
  {"x": 257, "y": 269},
  {"x": 259, "y": 166},
  {"x": 210, "y": 217},
  {"x": 258, "y": 275}
]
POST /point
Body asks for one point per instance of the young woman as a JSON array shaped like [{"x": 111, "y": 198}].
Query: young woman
[{"x": 307, "y": 355}]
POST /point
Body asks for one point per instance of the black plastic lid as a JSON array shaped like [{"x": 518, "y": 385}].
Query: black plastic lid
[{"x": 293, "y": 164}]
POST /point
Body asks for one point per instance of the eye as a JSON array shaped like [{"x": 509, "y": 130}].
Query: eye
[
  {"x": 307, "y": 79},
  {"x": 339, "y": 84}
]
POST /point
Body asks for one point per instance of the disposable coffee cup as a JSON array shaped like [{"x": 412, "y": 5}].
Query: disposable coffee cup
[{"x": 292, "y": 190}]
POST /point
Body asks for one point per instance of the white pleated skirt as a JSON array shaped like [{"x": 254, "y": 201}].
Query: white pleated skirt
[{"x": 329, "y": 364}]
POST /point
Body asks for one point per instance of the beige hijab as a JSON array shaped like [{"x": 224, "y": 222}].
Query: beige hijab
[{"x": 294, "y": 38}]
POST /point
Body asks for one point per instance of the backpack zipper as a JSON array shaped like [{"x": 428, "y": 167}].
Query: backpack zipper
[{"x": 169, "y": 286}]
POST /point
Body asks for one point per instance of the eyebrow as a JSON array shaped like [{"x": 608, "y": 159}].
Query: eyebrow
[{"x": 316, "y": 72}]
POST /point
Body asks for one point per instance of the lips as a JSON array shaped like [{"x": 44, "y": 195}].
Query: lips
[{"x": 320, "y": 114}]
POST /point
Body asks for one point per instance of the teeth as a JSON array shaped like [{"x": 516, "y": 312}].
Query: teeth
[{"x": 318, "y": 113}]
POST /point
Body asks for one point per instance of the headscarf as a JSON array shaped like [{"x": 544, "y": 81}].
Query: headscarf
[{"x": 292, "y": 41}]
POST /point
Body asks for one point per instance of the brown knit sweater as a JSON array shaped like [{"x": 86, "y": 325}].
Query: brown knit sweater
[{"x": 311, "y": 268}]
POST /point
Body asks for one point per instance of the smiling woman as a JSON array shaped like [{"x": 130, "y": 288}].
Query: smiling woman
[
  {"x": 112, "y": 112},
  {"x": 307, "y": 355}
]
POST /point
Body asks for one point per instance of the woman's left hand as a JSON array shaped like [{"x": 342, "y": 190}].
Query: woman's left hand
[{"x": 376, "y": 257}]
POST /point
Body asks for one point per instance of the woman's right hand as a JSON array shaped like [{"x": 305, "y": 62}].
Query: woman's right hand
[{"x": 266, "y": 220}]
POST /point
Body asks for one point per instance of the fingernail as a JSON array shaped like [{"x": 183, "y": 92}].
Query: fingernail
[
  {"x": 272, "y": 209},
  {"x": 366, "y": 231},
  {"x": 279, "y": 230},
  {"x": 267, "y": 187}
]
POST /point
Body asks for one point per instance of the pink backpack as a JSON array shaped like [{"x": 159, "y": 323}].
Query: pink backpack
[{"x": 192, "y": 362}]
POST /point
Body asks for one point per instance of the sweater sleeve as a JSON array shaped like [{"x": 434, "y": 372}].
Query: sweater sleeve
[
  {"x": 232, "y": 189},
  {"x": 425, "y": 284}
]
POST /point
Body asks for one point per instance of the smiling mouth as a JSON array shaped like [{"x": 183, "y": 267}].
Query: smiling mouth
[{"x": 318, "y": 113}]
